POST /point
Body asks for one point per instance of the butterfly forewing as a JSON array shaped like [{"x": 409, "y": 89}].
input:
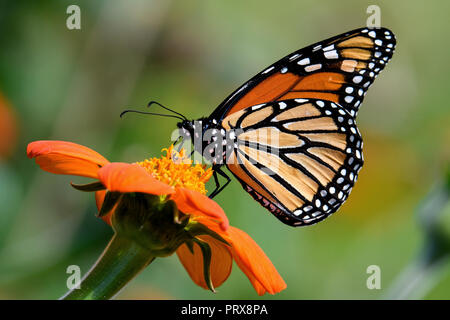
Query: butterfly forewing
[
  {"x": 298, "y": 157},
  {"x": 339, "y": 69}
]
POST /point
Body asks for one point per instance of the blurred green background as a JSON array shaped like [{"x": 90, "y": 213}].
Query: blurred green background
[{"x": 72, "y": 84}]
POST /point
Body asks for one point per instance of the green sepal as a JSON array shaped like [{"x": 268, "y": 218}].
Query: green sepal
[
  {"x": 150, "y": 222},
  {"x": 90, "y": 187},
  {"x": 179, "y": 217},
  {"x": 190, "y": 245},
  {"x": 110, "y": 201},
  {"x": 197, "y": 229},
  {"x": 207, "y": 255}
]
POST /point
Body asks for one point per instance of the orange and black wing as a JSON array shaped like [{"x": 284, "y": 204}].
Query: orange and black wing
[
  {"x": 339, "y": 69},
  {"x": 298, "y": 157}
]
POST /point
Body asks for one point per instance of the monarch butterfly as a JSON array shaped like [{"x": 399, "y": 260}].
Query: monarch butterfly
[{"x": 289, "y": 133}]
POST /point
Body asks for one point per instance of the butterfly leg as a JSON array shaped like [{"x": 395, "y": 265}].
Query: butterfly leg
[{"x": 219, "y": 188}]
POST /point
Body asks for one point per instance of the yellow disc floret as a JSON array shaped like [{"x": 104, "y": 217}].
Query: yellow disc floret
[{"x": 177, "y": 170}]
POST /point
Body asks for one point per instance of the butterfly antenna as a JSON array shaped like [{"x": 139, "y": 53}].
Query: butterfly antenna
[
  {"x": 168, "y": 109},
  {"x": 151, "y": 113}
]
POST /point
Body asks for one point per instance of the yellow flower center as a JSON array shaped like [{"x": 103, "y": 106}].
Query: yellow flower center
[{"x": 176, "y": 169}]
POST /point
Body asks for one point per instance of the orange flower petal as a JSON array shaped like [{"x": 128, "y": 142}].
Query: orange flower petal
[
  {"x": 8, "y": 128},
  {"x": 254, "y": 263},
  {"x": 221, "y": 262},
  {"x": 63, "y": 157},
  {"x": 195, "y": 203},
  {"x": 99, "y": 198},
  {"x": 126, "y": 177}
]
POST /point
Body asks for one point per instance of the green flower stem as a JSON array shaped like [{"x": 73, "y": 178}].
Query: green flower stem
[{"x": 122, "y": 260}]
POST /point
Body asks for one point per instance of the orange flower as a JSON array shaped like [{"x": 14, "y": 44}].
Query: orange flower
[
  {"x": 8, "y": 129},
  {"x": 174, "y": 178}
]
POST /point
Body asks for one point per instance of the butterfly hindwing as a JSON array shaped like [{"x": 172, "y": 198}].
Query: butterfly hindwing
[
  {"x": 298, "y": 157},
  {"x": 339, "y": 69}
]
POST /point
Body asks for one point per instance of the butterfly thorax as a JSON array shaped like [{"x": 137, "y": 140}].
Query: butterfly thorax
[{"x": 208, "y": 137}]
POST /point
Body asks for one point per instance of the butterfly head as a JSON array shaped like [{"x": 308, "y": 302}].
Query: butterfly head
[
  {"x": 194, "y": 130},
  {"x": 186, "y": 128},
  {"x": 190, "y": 129}
]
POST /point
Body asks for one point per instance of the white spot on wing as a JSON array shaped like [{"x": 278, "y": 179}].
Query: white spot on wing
[
  {"x": 298, "y": 212},
  {"x": 304, "y": 61},
  {"x": 357, "y": 79},
  {"x": 256, "y": 107},
  {"x": 313, "y": 67},
  {"x": 295, "y": 56},
  {"x": 331, "y": 54},
  {"x": 268, "y": 70}
]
